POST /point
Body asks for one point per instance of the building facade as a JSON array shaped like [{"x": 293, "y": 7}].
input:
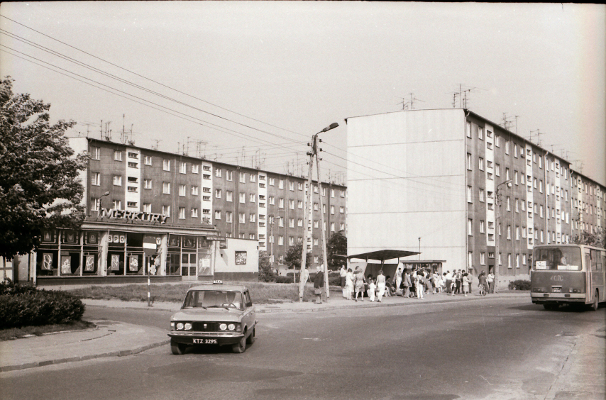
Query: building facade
[
  {"x": 460, "y": 188},
  {"x": 173, "y": 213}
]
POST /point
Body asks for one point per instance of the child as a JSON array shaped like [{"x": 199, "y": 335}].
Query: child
[{"x": 372, "y": 287}]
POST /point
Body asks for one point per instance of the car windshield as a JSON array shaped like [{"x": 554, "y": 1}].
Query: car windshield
[
  {"x": 213, "y": 298},
  {"x": 558, "y": 258}
]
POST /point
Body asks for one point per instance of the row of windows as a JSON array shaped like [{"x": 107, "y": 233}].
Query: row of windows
[
  {"x": 518, "y": 150},
  {"x": 521, "y": 259}
]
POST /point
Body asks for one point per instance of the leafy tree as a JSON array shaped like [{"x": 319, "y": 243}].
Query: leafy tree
[
  {"x": 39, "y": 185},
  {"x": 266, "y": 273},
  {"x": 293, "y": 257},
  {"x": 336, "y": 248},
  {"x": 597, "y": 239}
]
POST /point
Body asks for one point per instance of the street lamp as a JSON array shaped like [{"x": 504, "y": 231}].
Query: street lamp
[
  {"x": 496, "y": 242},
  {"x": 313, "y": 153}
]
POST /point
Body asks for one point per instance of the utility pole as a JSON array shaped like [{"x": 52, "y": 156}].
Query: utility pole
[
  {"x": 496, "y": 242},
  {"x": 307, "y": 207},
  {"x": 325, "y": 256}
]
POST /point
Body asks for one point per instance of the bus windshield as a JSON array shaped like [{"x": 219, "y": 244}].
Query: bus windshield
[{"x": 557, "y": 258}]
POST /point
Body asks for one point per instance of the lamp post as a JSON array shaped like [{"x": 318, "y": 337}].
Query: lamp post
[
  {"x": 496, "y": 242},
  {"x": 313, "y": 153}
]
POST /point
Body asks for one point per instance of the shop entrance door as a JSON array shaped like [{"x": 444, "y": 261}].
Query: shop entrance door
[{"x": 188, "y": 264}]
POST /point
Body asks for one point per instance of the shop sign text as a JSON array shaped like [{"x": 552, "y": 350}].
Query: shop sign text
[{"x": 132, "y": 215}]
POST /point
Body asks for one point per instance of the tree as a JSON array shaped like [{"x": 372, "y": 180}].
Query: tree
[
  {"x": 336, "y": 249},
  {"x": 39, "y": 185},
  {"x": 597, "y": 239},
  {"x": 293, "y": 257},
  {"x": 266, "y": 273}
]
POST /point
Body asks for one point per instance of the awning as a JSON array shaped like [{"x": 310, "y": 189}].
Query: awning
[{"x": 383, "y": 255}]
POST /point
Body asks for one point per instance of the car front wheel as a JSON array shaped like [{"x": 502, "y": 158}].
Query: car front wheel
[
  {"x": 251, "y": 338},
  {"x": 240, "y": 347},
  {"x": 177, "y": 348}
]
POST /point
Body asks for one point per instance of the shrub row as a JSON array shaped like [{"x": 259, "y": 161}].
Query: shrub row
[
  {"x": 21, "y": 307},
  {"x": 519, "y": 285}
]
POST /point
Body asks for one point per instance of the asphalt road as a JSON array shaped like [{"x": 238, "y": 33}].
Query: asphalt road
[{"x": 489, "y": 349}]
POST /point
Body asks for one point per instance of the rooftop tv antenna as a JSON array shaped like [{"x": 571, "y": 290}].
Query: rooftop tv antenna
[{"x": 409, "y": 105}]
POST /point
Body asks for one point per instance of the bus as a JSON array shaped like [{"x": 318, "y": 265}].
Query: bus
[{"x": 568, "y": 274}]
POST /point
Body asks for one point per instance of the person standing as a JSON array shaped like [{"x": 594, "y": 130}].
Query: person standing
[
  {"x": 420, "y": 283},
  {"x": 482, "y": 283},
  {"x": 407, "y": 284},
  {"x": 398, "y": 278},
  {"x": 349, "y": 284},
  {"x": 372, "y": 288},
  {"x": 380, "y": 285},
  {"x": 458, "y": 277},
  {"x": 319, "y": 284},
  {"x": 359, "y": 284},
  {"x": 465, "y": 280},
  {"x": 490, "y": 281},
  {"x": 448, "y": 279},
  {"x": 343, "y": 274}
]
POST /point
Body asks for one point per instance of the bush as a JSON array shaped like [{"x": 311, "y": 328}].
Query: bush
[
  {"x": 519, "y": 285},
  {"x": 334, "y": 280},
  {"x": 284, "y": 279},
  {"x": 26, "y": 306}
]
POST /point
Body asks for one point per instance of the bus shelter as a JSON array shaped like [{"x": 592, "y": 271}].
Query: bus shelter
[{"x": 380, "y": 256}]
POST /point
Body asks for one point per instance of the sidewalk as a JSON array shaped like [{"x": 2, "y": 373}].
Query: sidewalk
[{"x": 112, "y": 338}]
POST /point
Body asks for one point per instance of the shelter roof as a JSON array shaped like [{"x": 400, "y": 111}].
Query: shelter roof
[{"x": 383, "y": 255}]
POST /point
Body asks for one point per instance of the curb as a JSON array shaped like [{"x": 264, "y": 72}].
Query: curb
[{"x": 118, "y": 353}]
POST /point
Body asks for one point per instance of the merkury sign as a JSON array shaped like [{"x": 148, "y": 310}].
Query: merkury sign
[{"x": 132, "y": 215}]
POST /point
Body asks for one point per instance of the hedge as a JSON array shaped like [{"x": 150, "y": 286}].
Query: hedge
[
  {"x": 26, "y": 306},
  {"x": 519, "y": 285}
]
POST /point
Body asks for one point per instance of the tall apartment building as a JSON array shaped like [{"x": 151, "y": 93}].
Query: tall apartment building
[
  {"x": 462, "y": 189},
  {"x": 173, "y": 211}
]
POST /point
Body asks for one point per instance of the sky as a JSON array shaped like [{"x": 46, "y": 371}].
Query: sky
[{"x": 251, "y": 82}]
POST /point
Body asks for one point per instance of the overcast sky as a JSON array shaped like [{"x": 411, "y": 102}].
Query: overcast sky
[{"x": 251, "y": 82}]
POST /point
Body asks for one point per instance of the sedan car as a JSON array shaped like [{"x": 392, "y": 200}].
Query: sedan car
[{"x": 214, "y": 314}]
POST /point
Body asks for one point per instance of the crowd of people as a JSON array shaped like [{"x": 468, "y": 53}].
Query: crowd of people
[{"x": 413, "y": 283}]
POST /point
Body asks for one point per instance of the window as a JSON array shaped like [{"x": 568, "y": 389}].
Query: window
[
  {"x": 481, "y": 195},
  {"x": 229, "y": 175},
  {"x": 272, "y": 200},
  {"x": 497, "y": 140},
  {"x": 281, "y": 203},
  {"x": 195, "y": 191},
  {"x": 133, "y": 165},
  {"x": 299, "y": 222},
  {"x": 117, "y": 180},
  {"x": 468, "y": 129},
  {"x": 332, "y": 210},
  {"x": 95, "y": 204},
  {"x": 281, "y": 222},
  {"x": 291, "y": 222},
  {"x": 183, "y": 168},
  {"x": 515, "y": 150},
  {"x": 300, "y": 185},
  {"x": 483, "y": 258},
  {"x": 507, "y": 147},
  {"x": 300, "y": 204},
  {"x": 166, "y": 210},
  {"x": 252, "y": 198},
  {"x": 132, "y": 189},
  {"x": 147, "y": 183},
  {"x": 242, "y": 218},
  {"x": 242, "y": 198},
  {"x": 332, "y": 193},
  {"x": 281, "y": 184},
  {"x": 166, "y": 165},
  {"x": 218, "y": 172},
  {"x": 291, "y": 204},
  {"x": 508, "y": 260},
  {"x": 482, "y": 227},
  {"x": 291, "y": 186},
  {"x": 272, "y": 181},
  {"x": 470, "y": 227},
  {"x": 253, "y": 177},
  {"x": 117, "y": 155},
  {"x": 229, "y": 195},
  {"x": 480, "y": 133},
  {"x": 242, "y": 177},
  {"x": 217, "y": 214},
  {"x": 117, "y": 204},
  {"x": 147, "y": 160},
  {"x": 166, "y": 187},
  {"x": 332, "y": 226},
  {"x": 316, "y": 206},
  {"x": 252, "y": 217},
  {"x": 469, "y": 164},
  {"x": 194, "y": 213},
  {"x": 147, "y": 207},
  {"x": 95, "y": 153},
  {"x": 181, "y": 212},
  {"x": 341, "y": 210},
  {"x": 182, "y": 190},
  {"x": 497, "y": 169},
  {"x": 95, "y": 178},
  {"x": 507, "y": 175},
  {"x": 229, "y": 217},
  {"x": 508, "y": 232}
]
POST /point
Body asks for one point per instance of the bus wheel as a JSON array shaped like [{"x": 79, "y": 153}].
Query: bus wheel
[{"x": 596, "y": 301}]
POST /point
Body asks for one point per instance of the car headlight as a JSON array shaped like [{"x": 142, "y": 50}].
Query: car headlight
[
  {"x": 231, "y": 327},
  {"x": 188, "y": 326},
  {"x": 180, "y": 326},
  {"x": 223, "y": 327},
  {"x": 172, "y": 326}
]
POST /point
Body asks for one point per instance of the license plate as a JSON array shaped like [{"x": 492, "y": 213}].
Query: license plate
[
  {"x": 556, "y": 289},
  {"x": 205, "y": 341}
]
